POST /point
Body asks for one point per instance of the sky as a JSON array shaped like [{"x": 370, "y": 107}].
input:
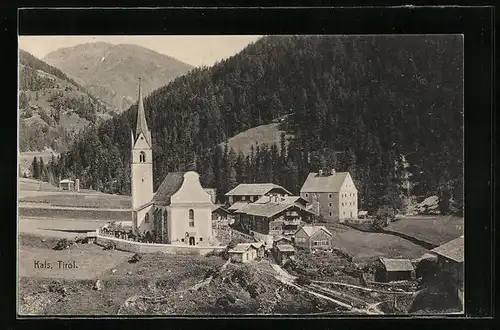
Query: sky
[{"x": 194, "y": 50}]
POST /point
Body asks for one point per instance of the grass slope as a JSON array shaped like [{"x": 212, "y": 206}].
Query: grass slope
[
  {"x": 363, "y": 245},
  {"x": 436, "y": 230},
  {"x": 268, "y": 134}
]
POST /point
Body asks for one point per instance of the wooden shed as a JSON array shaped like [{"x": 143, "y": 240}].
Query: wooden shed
[
  {"x": 243, "y": 253},
  {"x": 283, "y": 253},
  {"x": 394, "y": 270}
]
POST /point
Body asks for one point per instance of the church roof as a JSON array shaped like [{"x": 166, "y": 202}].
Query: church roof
[
  {"x": 170, "y": 185},
  {"x": 142, "y": 125}
]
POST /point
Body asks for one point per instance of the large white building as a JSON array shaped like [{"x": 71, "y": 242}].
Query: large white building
[{"x": 333, "y": 195}]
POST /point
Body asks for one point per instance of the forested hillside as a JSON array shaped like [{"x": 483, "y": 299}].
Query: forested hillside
[
  {"x": 52, "y": 106},
  {"x": 361, "y": 104}
]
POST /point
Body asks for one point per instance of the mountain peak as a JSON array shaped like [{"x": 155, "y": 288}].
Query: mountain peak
[{"x": 110, "y": 71}]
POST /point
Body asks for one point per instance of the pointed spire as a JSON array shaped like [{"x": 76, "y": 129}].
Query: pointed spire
[{"x": 142, "y": 125}]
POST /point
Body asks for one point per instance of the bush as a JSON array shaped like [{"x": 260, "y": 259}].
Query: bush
[
  {"x": 382, "y": 218},
  {"x": 110, "y": 246},
  {"x": 62, "y": 244},
  {"x": 136, "y": 257},
  {"x": 302, "y": 280}
]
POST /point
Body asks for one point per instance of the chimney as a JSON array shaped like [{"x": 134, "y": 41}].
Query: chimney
[{"x": 333, "y": 171}]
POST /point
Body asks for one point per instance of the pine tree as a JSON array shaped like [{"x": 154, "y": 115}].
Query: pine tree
[{"x": 35, "y": 170}]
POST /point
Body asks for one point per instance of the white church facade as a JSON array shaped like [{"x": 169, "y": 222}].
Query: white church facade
[{"x": 180, "y": 212}]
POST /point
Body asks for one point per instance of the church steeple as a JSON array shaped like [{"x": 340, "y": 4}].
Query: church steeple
[{"x": 142, "y": 125}]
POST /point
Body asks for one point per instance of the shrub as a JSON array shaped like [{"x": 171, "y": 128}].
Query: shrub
[
  {"x": 136, "y": 257},
  {"x": 382, "y": 218},
  {"x": 62, "y": 244},
  {"x": 302, "y": 280},
  {"x": 110, "y": 246}
]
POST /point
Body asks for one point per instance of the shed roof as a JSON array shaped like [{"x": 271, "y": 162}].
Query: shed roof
[
  {"x": 255, "y": 189},
  {"x": 397, "y": 265},
  {"x": 453, "y": 250},
  {"x": 237, "y": 206},
  {"x": 66, "y": 181},
  {"x": 312, "y": 229},
  {"x": 324, "y": 183},
  {"x": 285, "y": 248},
  {"x": 269, "y": 209},
  {"x": 362, "y": 212},
  {"x": 242, "y": 247},
  {"x": 170, "y": 185}
]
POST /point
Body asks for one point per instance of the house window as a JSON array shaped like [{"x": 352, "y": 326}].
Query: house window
[
  {"x": 243, "y": 198},
  {"x": 307, "y": 195},
  {"x": 330, "y": 204},
  {"x": 344, "y": 213},
  {"x": 142, "y": 157},
  {"x": 191, "y": 218},
  {"x": 146, "y": 218},
  {"x": 182, "y": 240},
  {"x": 201, "y": 239},
  {"x": 330, "y": 196},
  {"x": 330, "y": 213}
]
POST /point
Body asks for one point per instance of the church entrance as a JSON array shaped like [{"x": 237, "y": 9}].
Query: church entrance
[{"x": 191, "y": 241}]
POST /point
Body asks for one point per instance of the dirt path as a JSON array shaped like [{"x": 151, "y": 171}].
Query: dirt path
[
  {"x": 363, "y": 288},
  {"x": 287, "y": 279}
]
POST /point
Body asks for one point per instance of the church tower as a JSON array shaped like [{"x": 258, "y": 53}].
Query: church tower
[{"x": 142, "y": 159}]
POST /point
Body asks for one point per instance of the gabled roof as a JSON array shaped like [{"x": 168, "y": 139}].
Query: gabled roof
[
  {"x": 267, "y": 210},
  {"x": 285, "y": 248},
  {"x": 238, "y": 205},
  {"x": 281, "y": 238},
  {"x": 242, "y": 247},
  {"x": 311, "y": 230},
  {"x": 257, "y": 244},
  {"x": 396, "y": 265},
  {"x": 255, "y": 189},
  {"x": 170, "y": 185},
  {"x": 141, "y": 124},
  {"x": 216, "y": 207},
  {"x": 362, "y": 212},
  {"x": 453, "y": 250},
  {"x": 326, "y": 183}
]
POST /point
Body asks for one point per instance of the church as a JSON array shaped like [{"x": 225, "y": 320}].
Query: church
[{"x": 180, "y": 212}]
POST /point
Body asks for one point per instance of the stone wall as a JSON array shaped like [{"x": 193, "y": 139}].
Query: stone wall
[{"x": 137, "y": 247}]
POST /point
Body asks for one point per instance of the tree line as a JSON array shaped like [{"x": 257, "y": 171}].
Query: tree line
[{"x": 388, "y": 109}]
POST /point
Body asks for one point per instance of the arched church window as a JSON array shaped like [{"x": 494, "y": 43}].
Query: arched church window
[
  {"x": 142, "y": 157},
  {"x": 146, "y": 218},
  {"x": 191, "y": 218}
]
